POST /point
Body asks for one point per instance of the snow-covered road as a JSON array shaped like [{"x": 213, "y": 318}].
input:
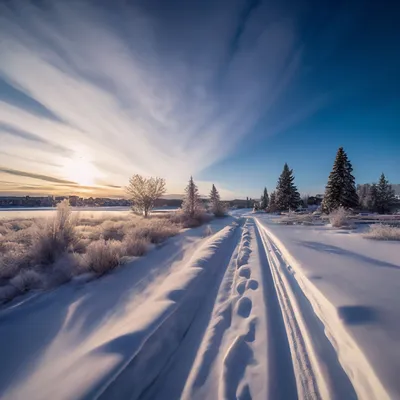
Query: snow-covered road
[{"x": 229, "y": 316}]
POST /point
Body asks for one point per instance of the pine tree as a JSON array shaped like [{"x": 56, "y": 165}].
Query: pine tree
[
  {"x": 217, "y": 207},
  {"x": 287, "y": 196},
  {"x": 350, "y": 197},
  {"x": 340, "y": 190},
  {"x": 272, "y": 203},
  {"x": 192, "y": 205},
  {"x": 264, "y": 200},
  {"x": 385, "y": 198}
]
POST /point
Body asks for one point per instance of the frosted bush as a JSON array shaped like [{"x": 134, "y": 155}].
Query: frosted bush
[
  {"x": 339, "y": 217},
  {"x": 293, "y": 218},
  {"x": 48, "y": 253},
  {"x": 8, "y": 292},
  {"x": 55, "y": 236},
  {"x": 383, "y": 232},
  {"x": 103, "y": 255},
  {"x": 26, "y": 280},
  {"x": 155, "y": 230},
  {"x": 12, "y": 258},
  {"x": 135, "y": 246}
]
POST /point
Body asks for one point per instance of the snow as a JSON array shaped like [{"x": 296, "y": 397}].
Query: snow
[
  {"x": 254, "y": 310},
  {"x": 71, "y": 343},
  {"x": 353, "y": 284}
]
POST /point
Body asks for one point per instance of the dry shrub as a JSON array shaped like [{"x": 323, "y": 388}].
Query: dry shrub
[
  {"x": 112, "y": 230},
  {"x": 4, "y": 229},
  {"x": 23, "y": 236},
  {"x": 135, "y": 246},
  {"x": 8, "y": 292},
  {"x": 12, "y": 259},
  {"x": 383, "y": 232},
  {"x": 55, "y": 237},
  {"x": 26, "y": 280},
  {"x": 293, "y": 218},
  {"x": 339, "y": 218},
  {"x": 103, "y": 255},
  {"x": 180, "y": 218},
  {"x": 154, "y": 230},
  {"x": 48, "y": 253}
]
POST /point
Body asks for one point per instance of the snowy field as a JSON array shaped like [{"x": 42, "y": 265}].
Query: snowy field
[{"x": 256, "y": 310}]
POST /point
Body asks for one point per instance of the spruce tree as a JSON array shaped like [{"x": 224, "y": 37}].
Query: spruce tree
[
  {"x": 341, "y": 189},
  {"x": 287, "y": 196},
  {"x": 216, "y": 206},
  {"x": 272, "y": 202},
  {"x": 192, "y": 205},
  {"x": 264, "y": 200},
  {"x": 350, "y": 196},
  {"x": 385, "y": 196}
]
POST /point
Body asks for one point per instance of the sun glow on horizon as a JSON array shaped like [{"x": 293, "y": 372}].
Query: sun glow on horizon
[{"x": 80, "y": 170}]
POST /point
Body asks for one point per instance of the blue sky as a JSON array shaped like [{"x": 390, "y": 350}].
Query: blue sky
[{"x": 226, "y": 90}]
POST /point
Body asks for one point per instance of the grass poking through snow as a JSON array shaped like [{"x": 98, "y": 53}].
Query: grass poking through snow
[
  {"x": 383, "y": 232},
  {"x": 40, "y": 254}
]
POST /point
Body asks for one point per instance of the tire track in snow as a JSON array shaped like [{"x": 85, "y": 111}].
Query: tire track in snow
[
  {"x": 307, "y": 384},
  {"x": 246, "y": 340},
  {"x": 318, "y": 370}
]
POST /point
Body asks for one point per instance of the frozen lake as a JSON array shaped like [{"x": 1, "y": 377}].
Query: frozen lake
[{"x": 87, "y": 212}]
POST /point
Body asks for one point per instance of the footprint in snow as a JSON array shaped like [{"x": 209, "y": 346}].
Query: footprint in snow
[
  {"x": 241, "y": 287},
  {"x": 244, "y": 307},
  {"x": 252, "y": 284},
  {"x": 245, "y": 272}
]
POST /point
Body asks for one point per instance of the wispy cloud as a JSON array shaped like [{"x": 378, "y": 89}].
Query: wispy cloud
[
  {"x": 136, "y": 93},
  {"x": 34, "y": 176}
]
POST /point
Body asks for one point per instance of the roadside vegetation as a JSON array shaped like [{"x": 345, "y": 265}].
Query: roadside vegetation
[
  {"x": 383, "y": 232},
  {"x": 44, "y": 253}
]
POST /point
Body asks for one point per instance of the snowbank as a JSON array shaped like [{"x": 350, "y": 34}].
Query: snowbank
[
  {"x": 353, "y": 288},
  {"x": 87, "y": 341}
]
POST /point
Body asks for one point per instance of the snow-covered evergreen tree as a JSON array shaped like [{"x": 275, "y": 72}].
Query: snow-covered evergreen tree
[
  {"x": 264, "y": 200},
  {"x": 272, "y": 203},
  {"x": 192, "y": 205},
  {"x": 287, "y": 196},
  {"x": 217, "y": 207},
  {"x": 350, "y": 197},
  {"x": 341, "y": 189},
  {"x": 385, "y": 199}
]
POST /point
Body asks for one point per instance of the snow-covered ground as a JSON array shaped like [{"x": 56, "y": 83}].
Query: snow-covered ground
[
  {"x": 255, "y": 311},
  {"x": 353, "y": 284}
]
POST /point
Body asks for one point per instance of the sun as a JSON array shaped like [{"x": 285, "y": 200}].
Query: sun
[{"x": 80, "y": 170}]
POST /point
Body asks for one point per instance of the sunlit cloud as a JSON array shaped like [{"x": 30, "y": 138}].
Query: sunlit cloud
[{"x": 131, "y": 96}]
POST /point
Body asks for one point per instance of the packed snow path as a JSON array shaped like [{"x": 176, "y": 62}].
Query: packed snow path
[{"x": 222, "y": 317}]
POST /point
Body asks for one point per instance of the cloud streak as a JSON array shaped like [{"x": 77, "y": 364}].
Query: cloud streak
[
  {"x": 136, "y": 93},
  {"x": 34, "y": 176}
]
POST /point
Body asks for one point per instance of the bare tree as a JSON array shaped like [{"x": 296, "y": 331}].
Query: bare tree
[{"x": 144, "y": 192}]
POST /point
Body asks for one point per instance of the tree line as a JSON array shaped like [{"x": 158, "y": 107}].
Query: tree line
[
  {"x": 340, "y": 191},
  {"x": 144, "y": 192}
]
